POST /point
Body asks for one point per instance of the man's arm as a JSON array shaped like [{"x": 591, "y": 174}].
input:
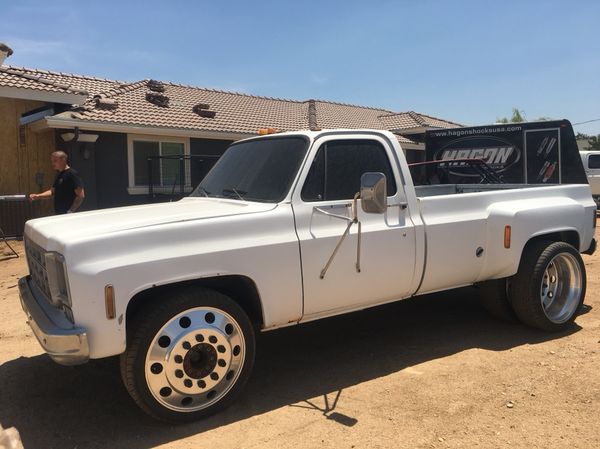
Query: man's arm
[
  {"x": 79, "y": 196},
  {"x": 39, "y": 196}
]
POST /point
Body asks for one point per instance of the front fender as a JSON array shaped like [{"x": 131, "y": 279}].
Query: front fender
[{"x": 265, "y": 250}]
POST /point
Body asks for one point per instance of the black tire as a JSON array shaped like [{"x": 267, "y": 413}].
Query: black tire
[
  {"x": 495, "y": 300},
  {"x": 526, "y": 294},
  {"x": 184, "y": 308}
]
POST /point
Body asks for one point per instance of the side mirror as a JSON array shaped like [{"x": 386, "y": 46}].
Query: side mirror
[{"x": 373, "y": 193}]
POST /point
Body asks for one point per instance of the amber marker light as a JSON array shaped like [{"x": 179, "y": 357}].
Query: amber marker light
[
  {"x": 109, "y": 300},
  {"x": 265, "y": 131},
  {"x": 507, "y": 236}
]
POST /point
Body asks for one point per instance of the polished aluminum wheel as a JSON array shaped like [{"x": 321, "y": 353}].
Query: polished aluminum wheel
[
  {"x": 195, "y": 359},
  {"x": 561, "y": 288}
]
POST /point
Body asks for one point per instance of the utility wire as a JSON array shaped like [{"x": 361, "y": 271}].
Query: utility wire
[{"x": 587, "y": 121}]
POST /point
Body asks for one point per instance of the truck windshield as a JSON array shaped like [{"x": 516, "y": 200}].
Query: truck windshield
[{"x": 257, "y": 170}]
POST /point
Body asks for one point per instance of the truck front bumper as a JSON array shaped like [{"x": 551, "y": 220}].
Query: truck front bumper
[{"x": 66, "y": 346}]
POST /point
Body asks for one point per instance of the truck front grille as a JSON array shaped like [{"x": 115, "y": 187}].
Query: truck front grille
[{"x": 36, "y": 261}]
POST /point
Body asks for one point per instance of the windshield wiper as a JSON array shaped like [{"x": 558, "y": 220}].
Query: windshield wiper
[
  {"x": 204, "y": 192},
  {"x": 238, "y": 193}
]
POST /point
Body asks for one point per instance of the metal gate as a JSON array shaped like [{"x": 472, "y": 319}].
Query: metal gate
[{"x": 170, "y": 178}]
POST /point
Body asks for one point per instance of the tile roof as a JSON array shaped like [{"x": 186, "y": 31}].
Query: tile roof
[
  {"x": 23, "y": 78},
  {"x": 402, "y": 120},
  {"x": 411, "y": 119},
  {"x": 235, "y": 113},
  {"x": 435, "y": 122},
  {"x": 340, "y": 115},
  {"x": 153, "y": 104},
  {"x": 404, "y": 139}
]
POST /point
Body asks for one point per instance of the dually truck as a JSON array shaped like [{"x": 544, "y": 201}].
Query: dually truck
[{"x": 288, "y": 228}]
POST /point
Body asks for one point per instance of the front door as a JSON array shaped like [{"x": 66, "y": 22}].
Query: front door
[{"x": 322, "y": 206}]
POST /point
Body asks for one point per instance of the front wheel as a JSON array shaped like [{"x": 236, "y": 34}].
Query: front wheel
[
  {"x": 549, "y": 287},
  {"x": 188, "y": 357}
]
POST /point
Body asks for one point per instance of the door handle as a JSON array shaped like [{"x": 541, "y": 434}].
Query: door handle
[{"x": 401, "y": 204}]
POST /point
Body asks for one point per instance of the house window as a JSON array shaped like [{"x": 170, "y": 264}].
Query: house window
[{"x": 166, "y": 166}]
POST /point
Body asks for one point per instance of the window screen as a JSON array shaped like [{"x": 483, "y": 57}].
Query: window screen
[
  {"x": 336, "y": 170},
  {"x": 594, "y": 161}
]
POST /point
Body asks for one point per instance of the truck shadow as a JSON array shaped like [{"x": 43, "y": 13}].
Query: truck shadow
[{"x": 87, "y": 406}]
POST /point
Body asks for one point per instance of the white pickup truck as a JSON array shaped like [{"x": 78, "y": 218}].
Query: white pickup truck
[
  {"x": 591, "y": 165},
  {"x": 285, "y": 229}
]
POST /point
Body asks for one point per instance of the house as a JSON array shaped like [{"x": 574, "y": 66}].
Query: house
[{"x": 123, "y": 136}]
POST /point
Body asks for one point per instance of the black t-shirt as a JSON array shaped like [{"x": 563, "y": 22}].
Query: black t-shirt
[{"x": 64, "y": 189}]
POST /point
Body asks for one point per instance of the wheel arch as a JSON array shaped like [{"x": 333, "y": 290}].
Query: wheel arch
[
  {"x": 239, "y": 288},
  {"x": 570, "y": 236},
  {"x": 523, "y": 242}
]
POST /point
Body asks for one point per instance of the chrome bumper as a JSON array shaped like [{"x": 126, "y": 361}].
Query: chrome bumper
[{"x": 66, "y": 345}]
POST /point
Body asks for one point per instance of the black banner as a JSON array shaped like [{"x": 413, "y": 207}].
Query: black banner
[{"x": 529, "y": 153}]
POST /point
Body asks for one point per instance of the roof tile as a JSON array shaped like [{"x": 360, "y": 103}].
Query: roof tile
[{"x": 124, "y": 103}]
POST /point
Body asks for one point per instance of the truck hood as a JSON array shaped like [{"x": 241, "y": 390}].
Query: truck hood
[{"x": 50, "y": 232}]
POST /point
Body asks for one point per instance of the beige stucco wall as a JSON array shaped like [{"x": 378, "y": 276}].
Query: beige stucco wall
[{"x": 20, "y": 161}]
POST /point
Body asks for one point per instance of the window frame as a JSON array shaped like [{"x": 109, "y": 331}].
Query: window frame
[
  {"x": 134, "y": 189},
  {"x": 589, "y": 159},
  {"x": 320, "y": 143}
]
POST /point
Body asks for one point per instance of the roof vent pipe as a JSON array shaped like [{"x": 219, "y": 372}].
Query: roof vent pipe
[
  {"x": 105, "y": 103},
  {"x": 202, "y": 109},
  {"x": 155, "y": 86},
  {"x": 5, "y": 52},
  {"x": 157, "y": 99}
]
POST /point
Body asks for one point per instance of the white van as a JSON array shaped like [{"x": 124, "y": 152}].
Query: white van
[{"x": 591, "y": 164}]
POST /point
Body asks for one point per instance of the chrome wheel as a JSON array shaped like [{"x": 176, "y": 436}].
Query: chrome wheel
[
  {"x": 561, "y": 288},
  {"x": 195, "y": 359}
]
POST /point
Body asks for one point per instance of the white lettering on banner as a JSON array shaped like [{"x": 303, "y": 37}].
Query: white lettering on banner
[{"x": 491, "y": 155}]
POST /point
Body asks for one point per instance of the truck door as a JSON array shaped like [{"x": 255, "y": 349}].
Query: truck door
[{"x": 322, "y": 207}]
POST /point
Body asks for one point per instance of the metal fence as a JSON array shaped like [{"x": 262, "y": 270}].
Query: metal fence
[
  {"x": 170, "y": 178},
  {"x": 15, "y": 210}
]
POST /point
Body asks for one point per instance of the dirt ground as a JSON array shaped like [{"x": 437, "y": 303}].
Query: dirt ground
[{"x": 431, "y": 372}]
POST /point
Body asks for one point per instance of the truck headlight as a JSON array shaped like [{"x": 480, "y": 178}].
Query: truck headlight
[{"x": 57, "y": 279}]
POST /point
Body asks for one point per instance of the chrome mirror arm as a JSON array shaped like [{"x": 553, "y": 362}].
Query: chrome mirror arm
[{"x": 350, "y": 221}]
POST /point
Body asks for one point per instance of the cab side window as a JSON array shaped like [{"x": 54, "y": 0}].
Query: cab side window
[{"x": 337, "y": 168}]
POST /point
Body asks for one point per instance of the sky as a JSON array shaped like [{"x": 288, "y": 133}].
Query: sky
[{"x": 467, "y": 61}]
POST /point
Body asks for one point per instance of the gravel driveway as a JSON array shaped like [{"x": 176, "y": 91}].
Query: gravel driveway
[{"x": 434, "y": 371}]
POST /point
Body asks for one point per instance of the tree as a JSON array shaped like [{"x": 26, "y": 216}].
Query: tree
[
  {"x": 593, "y": 141},
  {"x": 517, "y": 117}
]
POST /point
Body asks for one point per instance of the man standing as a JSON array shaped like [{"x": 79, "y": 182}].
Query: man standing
[{"x": 67, "y": 189}]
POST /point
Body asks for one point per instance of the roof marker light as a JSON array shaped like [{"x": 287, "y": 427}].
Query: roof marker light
[{"x": 265, "y": 131}]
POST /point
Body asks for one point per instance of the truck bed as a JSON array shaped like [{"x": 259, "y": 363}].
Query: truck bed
[
  {"x": 424, "y": 191},
  {"x": 462, "y": 218}
]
